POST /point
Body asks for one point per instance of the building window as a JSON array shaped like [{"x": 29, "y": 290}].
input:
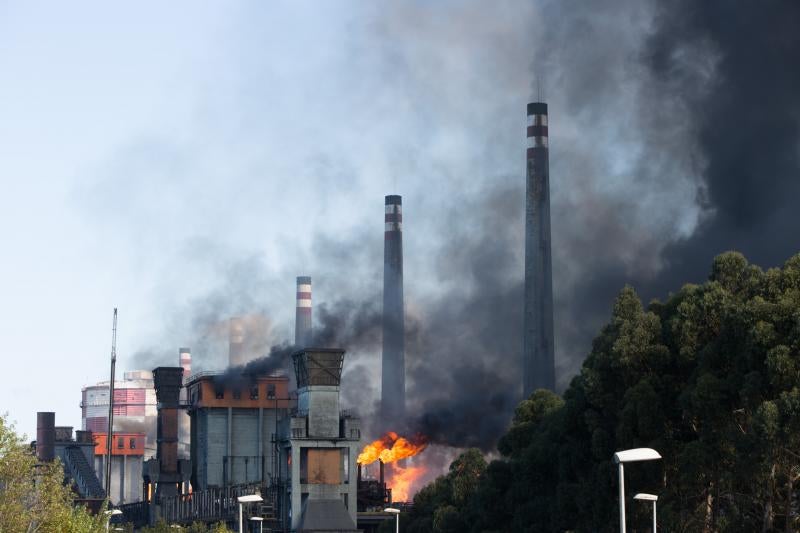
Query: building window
[
  {"x": 237, "y": 395},
  {"x": 220, "y": 394},
  {"x": 271, "y": 391},
  {"x": 133, "y": 443},
  {"x": 297, "y": 433},
  {"x": 120, "y": 442},
  {"x": 355, "y": 433},
  {"x": 254, "y": 392}
]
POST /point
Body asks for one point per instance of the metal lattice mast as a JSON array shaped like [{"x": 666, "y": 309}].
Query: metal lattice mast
[{"x": 111, "y": 405}]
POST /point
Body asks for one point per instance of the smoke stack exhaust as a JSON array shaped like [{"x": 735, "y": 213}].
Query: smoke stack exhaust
[
  {"x": 393, "y": 374},
  {"x": 45, "y": 436},
  {"x": 302, "y": 321},
  {"x": 538, "y": 350},
  {"x": 236, "y": 355}
]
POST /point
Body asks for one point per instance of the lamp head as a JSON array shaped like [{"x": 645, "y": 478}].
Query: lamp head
[{"x": 636, "y": 454}]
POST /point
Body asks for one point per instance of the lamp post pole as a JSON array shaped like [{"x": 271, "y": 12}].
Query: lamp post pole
[
  {"x": 649, "y": 498},
  {"x": 654, "y": 517},
  {"x": 621, "y": 470},
  {"x": 396, "y": 513},
  {"x": 630, "y": 456}
]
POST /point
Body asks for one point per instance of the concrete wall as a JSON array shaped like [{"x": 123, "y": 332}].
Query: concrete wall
[
  {"x": 126, "y": 477},
  {"x": 234, "y": 446},
  {"x": 321, "y": 402}
]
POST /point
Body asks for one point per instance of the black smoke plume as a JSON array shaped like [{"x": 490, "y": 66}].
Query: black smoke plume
[{"x": 674, "y": 136}]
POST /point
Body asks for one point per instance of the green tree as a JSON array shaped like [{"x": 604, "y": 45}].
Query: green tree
[{"x": 710, "y": 378}]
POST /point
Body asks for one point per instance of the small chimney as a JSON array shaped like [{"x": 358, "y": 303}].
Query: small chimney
[
  {"x": 45, "y": 436},
  {"x": 302, "y": 322},
  {"x": 236, "y": 355}
]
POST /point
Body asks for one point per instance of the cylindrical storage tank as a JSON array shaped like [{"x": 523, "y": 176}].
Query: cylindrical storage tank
[{"x": 45, "y": 436}]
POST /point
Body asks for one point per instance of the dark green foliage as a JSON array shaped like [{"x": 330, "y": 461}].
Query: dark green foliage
[{"x": 710, "y": 378}]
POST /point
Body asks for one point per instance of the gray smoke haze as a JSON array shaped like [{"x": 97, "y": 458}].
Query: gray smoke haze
[{"x": 674, "y": 137}]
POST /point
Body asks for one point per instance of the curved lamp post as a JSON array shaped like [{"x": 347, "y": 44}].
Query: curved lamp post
[
  {"x": 649, "y": 498},
  {"x": 396, "y": 513},
  {"x": 109, "y": 514},
  {"x": 249, "y": 498},
  {"x": 630, "y": 456},
  {"x": 260, "y": 521}
]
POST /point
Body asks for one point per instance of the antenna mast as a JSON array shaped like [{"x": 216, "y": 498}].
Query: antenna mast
[{"x": 111, "y": 406}]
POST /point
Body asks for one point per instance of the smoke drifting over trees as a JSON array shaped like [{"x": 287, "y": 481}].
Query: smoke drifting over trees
[{"x": 674, "y": 136}]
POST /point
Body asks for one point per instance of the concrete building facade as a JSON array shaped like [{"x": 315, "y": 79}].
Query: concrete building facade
[{"x": 319, "y": 447}]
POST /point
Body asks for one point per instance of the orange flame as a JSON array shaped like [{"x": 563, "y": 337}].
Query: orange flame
[
  {"x": 391, "y": 447},
  {"x": 402, "y": 481}
]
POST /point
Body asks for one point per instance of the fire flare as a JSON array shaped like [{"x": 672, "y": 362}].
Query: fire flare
[
  {"x": 391, "y": 447},
  {"x": 403, "y": 480}
]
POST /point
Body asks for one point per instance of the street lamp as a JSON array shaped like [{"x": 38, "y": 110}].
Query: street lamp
[
  {"x": 110, "y": 513},
  {"x": 649, "y": 498},
  {"x": 396, "y": 513},
  {"x": 630, "y": 456},
  {"x": 248, "y": 498},
  {"x": 260, "y": 523}
]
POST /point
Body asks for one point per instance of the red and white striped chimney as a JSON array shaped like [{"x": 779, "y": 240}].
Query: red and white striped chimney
[
  {"x": 302, "y": 324},
  {"x": 185, "y": 359}
]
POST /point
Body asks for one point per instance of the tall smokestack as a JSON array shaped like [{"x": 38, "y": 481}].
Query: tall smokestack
[
  {"x": 538, "y": 351},
  {"x": 236, "y": 355},
  {"x": 302, "y": 321},
  {"x": 393, "y": 376}
]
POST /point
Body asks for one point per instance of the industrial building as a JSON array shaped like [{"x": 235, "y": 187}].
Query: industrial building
[
  {"x": 294, "y": 450},
  {"x": 127, "y": 462},
  {"x": 233, "y": 427},
  {"x": 319, "y": 446},
  {"x": 76, "y": 455},
  {"x": 538, "y": 359},
  {"x": 393, "y": 371}
]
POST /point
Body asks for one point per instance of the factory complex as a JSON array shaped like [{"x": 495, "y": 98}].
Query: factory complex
[{"x": 266, "y": 440}]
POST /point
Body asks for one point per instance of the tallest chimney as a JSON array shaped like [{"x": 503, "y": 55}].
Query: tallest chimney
[
  {"x": 538, "y": 354},
  {"x": 393, "y": 377}
]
